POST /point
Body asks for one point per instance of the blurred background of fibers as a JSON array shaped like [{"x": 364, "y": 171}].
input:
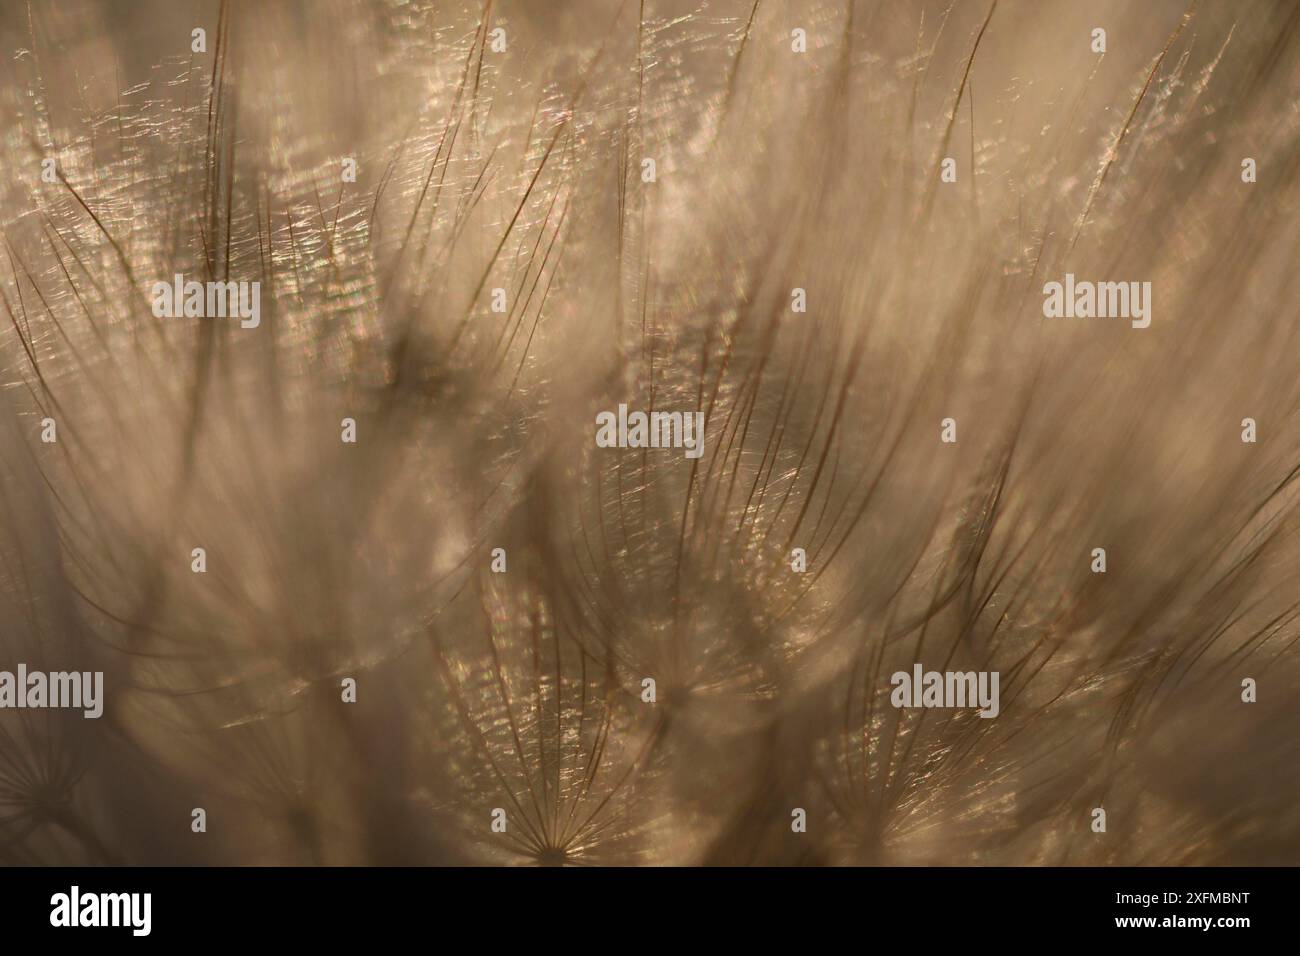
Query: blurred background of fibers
[{"x": 775, "y": 170}]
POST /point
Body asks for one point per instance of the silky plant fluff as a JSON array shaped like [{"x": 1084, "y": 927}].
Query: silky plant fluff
[{"x": 985, "y": 310}]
